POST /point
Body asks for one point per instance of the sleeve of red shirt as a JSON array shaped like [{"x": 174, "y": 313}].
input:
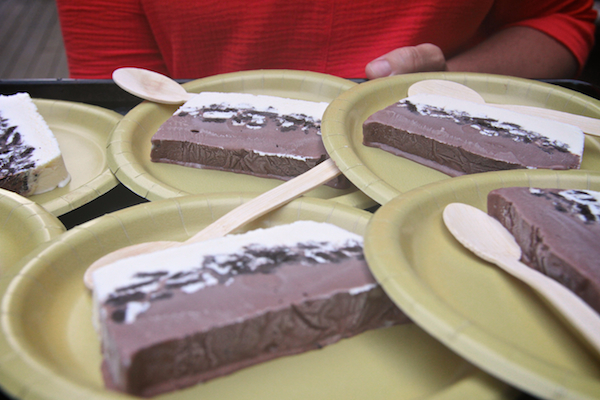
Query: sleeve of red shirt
[
  {"x": 570, "y": 22},
  {"x": 99, "y": 34}
]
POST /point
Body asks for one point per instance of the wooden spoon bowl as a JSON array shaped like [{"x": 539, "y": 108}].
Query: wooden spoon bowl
[{"x": 149, "y": 85}]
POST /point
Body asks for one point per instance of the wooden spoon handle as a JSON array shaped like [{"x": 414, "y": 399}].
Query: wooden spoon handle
[
  {"x": 582, "y": 317},
  {"x": 268, "y": 201},
  {"x": 588, "y": 125},
  {"x": 237, "y": 217}
]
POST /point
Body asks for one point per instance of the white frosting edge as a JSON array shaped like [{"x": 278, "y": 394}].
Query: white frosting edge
[
  {"x": 112, "y": 276},
  {"x": 259, "y": 102},
  {"x": 361, "y": 289},
  {"x": 282, "y": 155},
  {"x": 553, "y": 130},
  {"x": 20, "y": 110}
]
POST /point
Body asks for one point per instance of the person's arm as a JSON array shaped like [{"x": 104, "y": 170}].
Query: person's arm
[
  {"x": 516, "y": 51},
  {"x": 543, "y": 39}
]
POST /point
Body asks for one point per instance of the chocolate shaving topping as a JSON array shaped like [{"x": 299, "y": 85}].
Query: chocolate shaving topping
[
  {"x": 220, "y": 113},
  {"x": 15, "y": 156},
  {"x": 118, "y": 315},
  {"x": 489, "y": 126},
  {"x": 576, "y": 202},
  {"x": 220, "y": 269}
]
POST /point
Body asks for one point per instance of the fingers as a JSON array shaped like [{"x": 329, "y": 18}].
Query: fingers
[{"x": 405, "y": 60}]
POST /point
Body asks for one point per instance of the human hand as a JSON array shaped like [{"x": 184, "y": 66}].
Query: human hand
[{"x": 425, "y": 57}]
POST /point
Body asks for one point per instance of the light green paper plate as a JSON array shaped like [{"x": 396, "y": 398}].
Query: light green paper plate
[
  {"x": 49, "y": 350},
  {"x": 383, "y": 176},
  {"x": 129, "y": 149},
  {"x": 482, "y": 313},
  {"x": 82, "y": 131},
  {"x": 23, "y": 226}
]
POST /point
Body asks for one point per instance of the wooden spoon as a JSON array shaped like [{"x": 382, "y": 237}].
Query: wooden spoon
[
  {"x": 454, "y": 89},
  {"x": 234, "y": 219},
  {"x": 488, "y": 239},
  {"x": 151, "y": 86}
]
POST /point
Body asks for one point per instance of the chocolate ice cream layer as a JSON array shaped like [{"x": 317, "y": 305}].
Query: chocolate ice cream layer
[{"x": 558, "y": 232}]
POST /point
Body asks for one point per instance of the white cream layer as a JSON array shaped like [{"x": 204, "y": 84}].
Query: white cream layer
[
  {"x": 122, "y": 272},
  {"x": 262, "y": 103},
  {"x": 49, "y": 171},
  {"x": 555, "y": 131}
]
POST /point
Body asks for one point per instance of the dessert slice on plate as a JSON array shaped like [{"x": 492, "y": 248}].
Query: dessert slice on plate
[
  {"x": 459, "y": 137},
  {"x": 184, "y": 315},
  {"x": 266, "y": 136},
  {"x": 30, "y": 158}
]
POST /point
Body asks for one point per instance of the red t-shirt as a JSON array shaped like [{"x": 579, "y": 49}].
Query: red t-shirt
[{"x": 193, "y": 39}]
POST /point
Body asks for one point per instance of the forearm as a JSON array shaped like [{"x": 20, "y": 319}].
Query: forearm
[{"x": 518, "y": 51}]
